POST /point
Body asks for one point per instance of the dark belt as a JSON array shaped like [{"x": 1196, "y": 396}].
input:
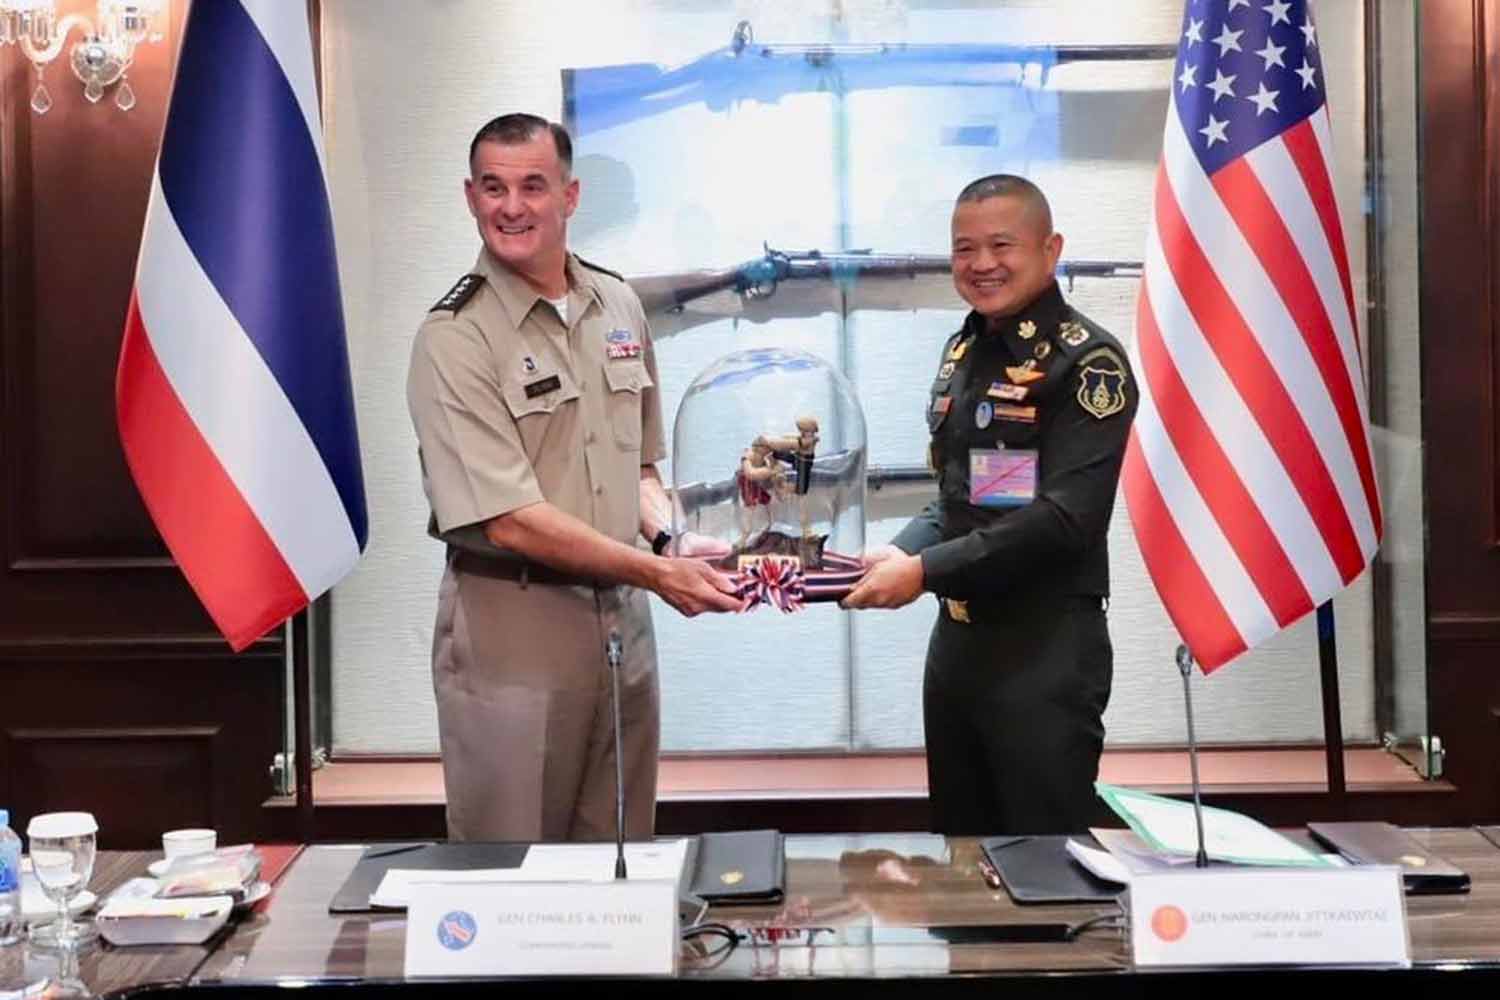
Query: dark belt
[
  {"x": 520, "y": 571},
  {"x": 988, "y": 612}
]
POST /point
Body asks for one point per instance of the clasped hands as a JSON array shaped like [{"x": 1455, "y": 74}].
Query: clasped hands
[
  {"x": 892, "y": 579},
  {"x": 689, "y": 584}
]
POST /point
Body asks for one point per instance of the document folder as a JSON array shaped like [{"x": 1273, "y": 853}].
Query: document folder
[
  {"x": 1422, "y": 872},
  {"x": 745, "y": 866},
  {"x": 1039, "y": 870},
  {"x": 354, "y": 895}
]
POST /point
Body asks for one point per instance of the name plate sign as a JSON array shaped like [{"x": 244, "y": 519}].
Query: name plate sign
[
  {"x": 1269, "y": 916},
  {"x": 542, "y": 928}
]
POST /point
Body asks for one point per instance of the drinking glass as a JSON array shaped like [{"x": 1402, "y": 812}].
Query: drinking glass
[{"x": 62, "y": 857}]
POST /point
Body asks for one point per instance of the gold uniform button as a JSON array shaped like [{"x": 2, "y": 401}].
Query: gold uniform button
[
  {"x": 599, "y": 490},
  {"x": 588, "y": 437}
]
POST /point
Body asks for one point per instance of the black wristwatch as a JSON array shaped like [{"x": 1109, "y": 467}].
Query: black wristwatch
[{"x": 661, "y": 541}]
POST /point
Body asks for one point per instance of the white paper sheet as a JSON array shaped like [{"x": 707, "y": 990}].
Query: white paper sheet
[{"x": 659, "y": 860}]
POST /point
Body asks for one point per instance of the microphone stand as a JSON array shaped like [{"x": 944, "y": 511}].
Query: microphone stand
[
  {"x": 1185, "y": 666},
  {"x": 613, "y": 651}
]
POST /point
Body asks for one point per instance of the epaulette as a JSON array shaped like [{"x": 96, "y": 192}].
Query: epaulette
[
  {"x": 460, "y": 293},
  {"x": 602, "y": 270},
  {"x": 1076, "y": 336}
]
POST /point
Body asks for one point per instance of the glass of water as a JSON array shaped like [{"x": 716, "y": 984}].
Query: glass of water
[{"x": 62, "y": 857}]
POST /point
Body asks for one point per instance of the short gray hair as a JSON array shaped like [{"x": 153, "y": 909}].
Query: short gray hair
[{"x": 1008, "y": 186}]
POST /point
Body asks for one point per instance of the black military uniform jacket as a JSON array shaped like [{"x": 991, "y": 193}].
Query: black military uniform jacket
[{"x": 1047, "y": 380}]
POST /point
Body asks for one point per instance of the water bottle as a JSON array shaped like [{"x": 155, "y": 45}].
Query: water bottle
[{"x": 10, "y": 882}]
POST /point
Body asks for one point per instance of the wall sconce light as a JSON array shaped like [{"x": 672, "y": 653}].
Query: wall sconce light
[{"x": 100, "y": 58}]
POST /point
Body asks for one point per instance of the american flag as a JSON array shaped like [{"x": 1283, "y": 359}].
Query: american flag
[
  {"x": 1248, "y": 475},
  {"x": 233, "y": 395}
]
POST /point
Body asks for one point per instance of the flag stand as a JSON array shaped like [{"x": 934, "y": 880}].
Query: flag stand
[
  {"x": 1333, "y": 725},
  {"x": 302, "y": 757}
]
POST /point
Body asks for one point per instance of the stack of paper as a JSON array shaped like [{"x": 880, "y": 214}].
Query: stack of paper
[{"x": 1164, "y": 835}]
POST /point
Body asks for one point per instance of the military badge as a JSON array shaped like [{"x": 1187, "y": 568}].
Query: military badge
[
  {"x": 528, "y": 364},
  {"x": 1027, "y": 329},
  {"x": 938, "y": 412},
  {"x": 1072, "y": 333},
  {"x": 1007, "y": 391},
  {"x": 1041, "y": 350},
  {"x": 947, "y": 370},
  {"x": 1009, "y": 411},
  {"x": 618, "y": 336},
  {"x": 959, "y": 350},
  {"x": 1101, "y": 385},
  {"x": 623, "y": 350},
  {"x": 982, "y": 414},
  {"x": 1025, "y": 374}
]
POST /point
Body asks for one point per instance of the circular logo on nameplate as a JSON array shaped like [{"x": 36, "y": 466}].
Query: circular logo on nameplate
[
  {"x": 732, "y": 877},
  {"x": 1169, "y": 923},
  {"x": 457, "y": 930}
]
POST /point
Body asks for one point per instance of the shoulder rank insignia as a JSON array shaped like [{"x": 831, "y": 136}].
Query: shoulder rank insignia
[
  {"x": 460, "y": 293},
  {"x": 1101, "y": 384},
  {"x": 1027, "y": 329},
  {"x": 1042, "y": 349},
  {"x": 1072, "y": 333},
  {"x": 602, "y": 270},
  {"x": 947, "y": 370},
  {"x": 958, "y": 350}
]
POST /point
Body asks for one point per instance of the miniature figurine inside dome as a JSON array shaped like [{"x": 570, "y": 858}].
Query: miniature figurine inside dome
[{"x": 768, "y": 470}]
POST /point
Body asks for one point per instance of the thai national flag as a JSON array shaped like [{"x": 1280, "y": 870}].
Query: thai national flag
[
  {"x": 233, "y": 393},
  {"x": 1249, "y": 474}
]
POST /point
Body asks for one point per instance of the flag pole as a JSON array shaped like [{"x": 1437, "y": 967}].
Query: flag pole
[
  {"x": 302, "y": 724},
  {"x": 1333, "y": 724}
]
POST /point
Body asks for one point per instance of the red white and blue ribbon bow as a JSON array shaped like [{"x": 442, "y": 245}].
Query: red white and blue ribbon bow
[{"x": 776, "y": 582}]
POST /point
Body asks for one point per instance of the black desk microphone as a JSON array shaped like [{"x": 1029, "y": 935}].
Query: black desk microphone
[{"x": 614, "y": 652}]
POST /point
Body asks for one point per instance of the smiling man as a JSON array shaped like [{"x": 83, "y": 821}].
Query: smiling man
[
  {"x": 533, "y": 392},
  {"x": 1029, "y": 415}
]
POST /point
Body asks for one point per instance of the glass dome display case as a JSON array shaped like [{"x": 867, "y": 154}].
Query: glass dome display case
[{"x": 768, "y": 471}]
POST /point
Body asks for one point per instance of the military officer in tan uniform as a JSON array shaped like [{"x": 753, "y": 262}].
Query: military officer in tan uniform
[{"x": 533, "y": 391}]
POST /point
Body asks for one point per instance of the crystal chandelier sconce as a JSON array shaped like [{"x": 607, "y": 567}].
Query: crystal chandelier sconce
[{"x": 100, "y": 58}]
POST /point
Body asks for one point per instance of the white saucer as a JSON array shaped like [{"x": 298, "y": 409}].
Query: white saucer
[
  {"x": 36, "y": 908},
  {"x": 253, "y": 895},
  {"x": 157, "y": 868}
]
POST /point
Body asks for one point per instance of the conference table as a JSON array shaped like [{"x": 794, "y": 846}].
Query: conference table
[{"x": 863, "y": 914}]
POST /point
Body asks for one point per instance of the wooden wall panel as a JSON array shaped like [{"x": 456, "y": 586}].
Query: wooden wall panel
[
  {"x": 145, "y": 780},
  {"x": 116, "y": 694},
  {"x": 1460, "y": 170}
]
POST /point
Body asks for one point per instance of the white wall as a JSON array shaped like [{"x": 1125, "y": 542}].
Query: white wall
[{"x": 406, "y": 85}]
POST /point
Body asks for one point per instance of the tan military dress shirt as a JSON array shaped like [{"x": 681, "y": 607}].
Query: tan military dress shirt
[{"x": 512, "y": 406}]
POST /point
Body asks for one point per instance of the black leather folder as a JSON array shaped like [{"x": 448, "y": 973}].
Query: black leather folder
[
  {"x": 1422, "y": 872},
  {"x": 1040, "y": 870},
  {"x": 744, "y": 866},
  {"x": 354, "y": 895}
]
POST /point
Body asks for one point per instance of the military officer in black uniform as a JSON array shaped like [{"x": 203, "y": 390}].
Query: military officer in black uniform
[{"x": 1029, "y": 414}]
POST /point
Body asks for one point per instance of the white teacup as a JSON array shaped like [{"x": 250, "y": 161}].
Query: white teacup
[{"x": 181, "y": 843}]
